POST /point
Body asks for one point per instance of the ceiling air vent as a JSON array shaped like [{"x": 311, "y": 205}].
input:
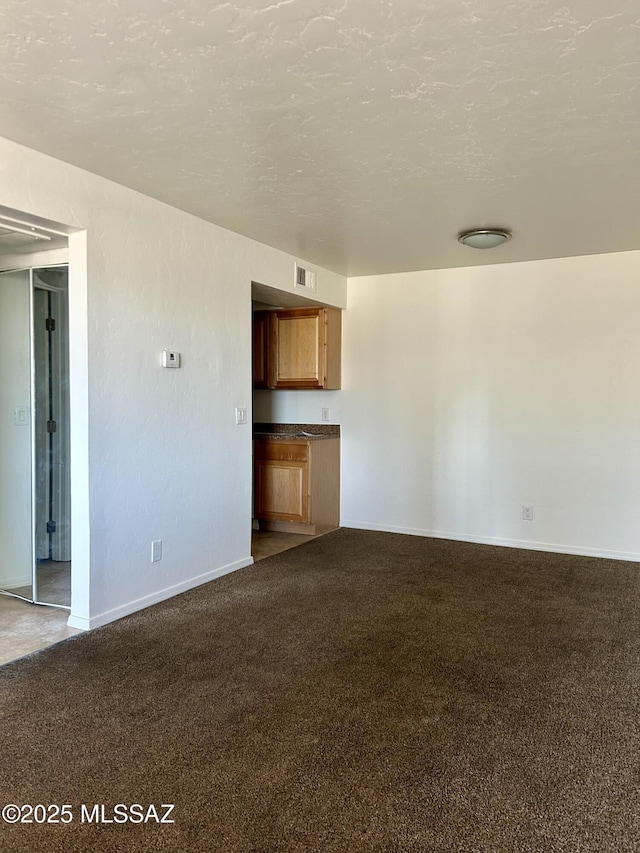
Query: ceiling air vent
[{"x": 304, "y": 278}]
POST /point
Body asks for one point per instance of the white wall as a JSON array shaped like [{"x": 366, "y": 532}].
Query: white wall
[
  {"x": 165, "y": 459},
  {"x": 296, "y": 407},
  {"x": 470, "y": 392},
  {"x": 15, "y": 439}
]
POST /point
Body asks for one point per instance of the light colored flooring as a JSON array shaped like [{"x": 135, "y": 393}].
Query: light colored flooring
[
  {"x": 54, "y": 583},
  {"x": 27, "y": 628},
  {"x": 265, "y": 543}
]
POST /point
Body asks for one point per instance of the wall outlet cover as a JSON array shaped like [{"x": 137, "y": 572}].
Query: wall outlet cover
[{"x": 170, "y": 358}]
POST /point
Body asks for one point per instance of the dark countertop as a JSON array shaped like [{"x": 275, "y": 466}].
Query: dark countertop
[{"x": 301, "y": 432}]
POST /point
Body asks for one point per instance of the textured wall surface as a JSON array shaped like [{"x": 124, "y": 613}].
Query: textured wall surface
[
  {"x": 165, "y": 458},
  {"x": 294, "y": 407},
  {"x": 474, "y": 392}
]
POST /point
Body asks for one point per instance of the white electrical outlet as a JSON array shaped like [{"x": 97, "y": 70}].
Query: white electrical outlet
[
  {"x": 326, "y": 414},
  {"x": 241, "y": 415},
  {"x": 527, "y": 513},
  {"x": 156, "y": 550}
]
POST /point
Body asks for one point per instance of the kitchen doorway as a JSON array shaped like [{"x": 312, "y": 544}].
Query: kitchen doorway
[{"x": 268, "y": 543}]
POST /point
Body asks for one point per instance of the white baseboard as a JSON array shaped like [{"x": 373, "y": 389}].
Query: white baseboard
[
  {"x": 156, "y": 597},
  {"x": 630, "y": 556},
  {"x": 78, "y": 622}
]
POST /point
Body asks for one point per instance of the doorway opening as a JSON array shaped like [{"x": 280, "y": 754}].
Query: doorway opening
[
  {"x": 35, "y": 488},
  {"x": 268, "y": 414}
]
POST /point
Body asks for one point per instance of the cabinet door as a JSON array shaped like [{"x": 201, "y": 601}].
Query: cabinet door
[
  {"x": 281, "y": 490},
  {"x": 298, "y": 348},
  {"x": 260, "y": 349}
]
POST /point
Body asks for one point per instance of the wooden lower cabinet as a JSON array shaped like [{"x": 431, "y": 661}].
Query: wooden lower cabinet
[{"x": 297, "y": 484}]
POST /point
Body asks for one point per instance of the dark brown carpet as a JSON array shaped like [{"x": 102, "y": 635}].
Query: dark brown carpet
[{"x": 364, "y": 692}]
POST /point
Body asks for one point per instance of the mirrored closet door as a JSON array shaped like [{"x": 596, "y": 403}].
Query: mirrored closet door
[
  {"x": 16, "y": 545},
  {"x": 35, "y": 507}
]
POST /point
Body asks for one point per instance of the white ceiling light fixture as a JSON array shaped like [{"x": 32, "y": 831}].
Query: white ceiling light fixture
[{"x": 484, "y": 238}]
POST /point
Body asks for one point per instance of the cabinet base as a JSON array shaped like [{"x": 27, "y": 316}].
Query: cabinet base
[{"x": 294, "y": 527}]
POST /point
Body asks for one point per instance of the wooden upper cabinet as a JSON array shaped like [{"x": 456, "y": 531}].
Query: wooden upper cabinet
[
  {"x": 305, "y": 348},
  {"x": 297, "y": 348},
  {"x": 260, "y": 349}
]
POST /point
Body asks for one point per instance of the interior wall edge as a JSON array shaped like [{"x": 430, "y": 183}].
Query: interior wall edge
[{"x": 79, "y": 430}]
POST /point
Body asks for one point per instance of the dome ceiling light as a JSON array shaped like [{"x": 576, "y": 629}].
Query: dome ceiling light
[{"x": 484, "y": 238}]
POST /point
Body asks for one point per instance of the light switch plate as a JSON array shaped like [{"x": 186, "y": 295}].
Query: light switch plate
[
  {"x": 241, "y": 415},
  {"x": 22, "y": 416},
  {"x": 170, "y": 358}
]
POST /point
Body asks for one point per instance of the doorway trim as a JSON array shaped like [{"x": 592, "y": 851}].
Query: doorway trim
[
  {"x": 76, "y": 257},
  {"x": 79, "y": 432}
]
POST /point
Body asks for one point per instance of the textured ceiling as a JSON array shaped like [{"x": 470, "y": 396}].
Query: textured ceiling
[{"x": 357, "y": 134}]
